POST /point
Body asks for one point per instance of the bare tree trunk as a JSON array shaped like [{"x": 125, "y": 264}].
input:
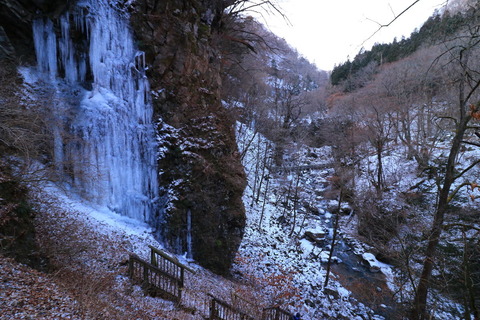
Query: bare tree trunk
[
  {"x": 295, "y": 204},
  {"x": 287, "y": 197},
  {"x": 257, "y": 168},
  {"x": 264, "y": 203},
  {"x": 464, "y": 117},
  {"x": 334, "y": 238},
  {"x": 247, "y": 144},
  {"x": 470, "y": 296},
  {"x": 264, "y": 169},
  {"x": 380, "y": 184},
  {"x": 420, "y": 301}
]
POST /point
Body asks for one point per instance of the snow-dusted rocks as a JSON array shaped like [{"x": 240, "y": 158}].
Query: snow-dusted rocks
[
  {"x": 315, "y": 236},
  {"x": 372, "y": 262}
]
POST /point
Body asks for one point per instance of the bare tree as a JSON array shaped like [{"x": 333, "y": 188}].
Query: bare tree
[
  {"x": 23, "y": 123},
  {"x": 459, "y": 55}
]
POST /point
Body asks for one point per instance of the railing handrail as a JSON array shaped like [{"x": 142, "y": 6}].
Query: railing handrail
[
  {"x": 171, "y": 259},
  {"x": 277, "y": 313},
  {"x": 278, "y": 308},
  {"x": 229, "y": 306},
  {"x": 244, "y": 304},
  {"x": 167, "y": 285},
  {"x": 152, "y": 267},
  {"x": 179, "y": 283}
]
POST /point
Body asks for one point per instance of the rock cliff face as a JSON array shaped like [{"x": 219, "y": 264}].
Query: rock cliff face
[
  {"x": 200, "y": 174},
  {"x": 16, "y": 39}
]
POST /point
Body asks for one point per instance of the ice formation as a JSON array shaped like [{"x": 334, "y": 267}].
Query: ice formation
[{"x": 104, "y": 142}]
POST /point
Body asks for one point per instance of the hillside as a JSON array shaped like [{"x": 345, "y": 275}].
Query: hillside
[
  {"x": 405, "y": 146},
  {"x": 403, "y": 137},
  {"x": 442, "y": 25},
  {"x": 87, "y": 250}
]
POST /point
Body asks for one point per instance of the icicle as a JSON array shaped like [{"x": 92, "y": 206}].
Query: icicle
[
  {"x": 112, "y": 153},
  {"x": 58, "y": 150},
  {"x": 45, "y": 46},
  {"x": 140, "y": 64},
  {"x": 67, "y": 51},
  {"x": 189, "y": 234}
]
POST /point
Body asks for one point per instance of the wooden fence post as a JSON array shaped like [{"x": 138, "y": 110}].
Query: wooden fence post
[
  {"x": 130, "y": 267},
  {"x": 212, "y": 310},
  {"x": 182, "y": 281},
  {"x": 153, "y": 258},
  {"x": 145, "y": 276}
]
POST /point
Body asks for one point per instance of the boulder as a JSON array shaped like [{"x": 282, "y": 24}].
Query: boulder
[{"x": 317, "y": 237}]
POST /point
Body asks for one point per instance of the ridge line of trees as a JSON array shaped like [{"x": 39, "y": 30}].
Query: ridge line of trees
[{"x": 438, "y": 26}]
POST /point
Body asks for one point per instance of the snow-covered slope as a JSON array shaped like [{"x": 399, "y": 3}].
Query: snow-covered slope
[{"x": 289, "y": 205}]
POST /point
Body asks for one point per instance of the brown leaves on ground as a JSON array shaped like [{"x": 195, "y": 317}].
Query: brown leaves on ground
[
  {"x": 29, "y": 294},
  {"x": 88, "y": 278}
]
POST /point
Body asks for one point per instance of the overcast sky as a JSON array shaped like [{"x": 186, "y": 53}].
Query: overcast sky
[{"x": 328, "y": 32}]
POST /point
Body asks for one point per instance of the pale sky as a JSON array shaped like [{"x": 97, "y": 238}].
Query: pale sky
[{"x": 328, "y": 32}]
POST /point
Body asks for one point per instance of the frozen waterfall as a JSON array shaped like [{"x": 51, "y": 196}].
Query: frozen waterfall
[{"x": 104, "y": 143}]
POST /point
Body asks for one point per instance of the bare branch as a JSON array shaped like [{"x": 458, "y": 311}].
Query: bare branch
[
  {"x": 454, "y": 192},
  {"x": 381, "y": 26},
  {"x": 468, "y": 168},
  {"x": 471, "y": 143},
  {"x": 461, "y": 225}
]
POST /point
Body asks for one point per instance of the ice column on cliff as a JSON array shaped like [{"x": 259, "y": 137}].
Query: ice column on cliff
[
  {"x": 189, "y": 235},
  {"x": 107, "y": 147}
]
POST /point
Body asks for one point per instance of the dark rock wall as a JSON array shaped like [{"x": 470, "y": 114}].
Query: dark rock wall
[
  {"x": 199, "y": 163},
  {"x": 16, "y": 16}
]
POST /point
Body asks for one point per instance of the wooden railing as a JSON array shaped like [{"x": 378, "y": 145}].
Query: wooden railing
[
  {"x": 164, "y": 276},
  {"x": 220, "y": 310},
  {"x": 168, "y": 264},
  {"x": 245, "y": 305},
  {"x": 275, "y": 314},
  {"x": 154, "y": 281},
  {"x": 196, "y": 301}
]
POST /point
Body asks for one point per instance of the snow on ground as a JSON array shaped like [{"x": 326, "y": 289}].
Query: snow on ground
[
  {"x": 107, "y": 222},
  {"x": 88, "y": 247},
  {"x": 275, "y": 241},
  {"x": 272, "y": 243}
]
